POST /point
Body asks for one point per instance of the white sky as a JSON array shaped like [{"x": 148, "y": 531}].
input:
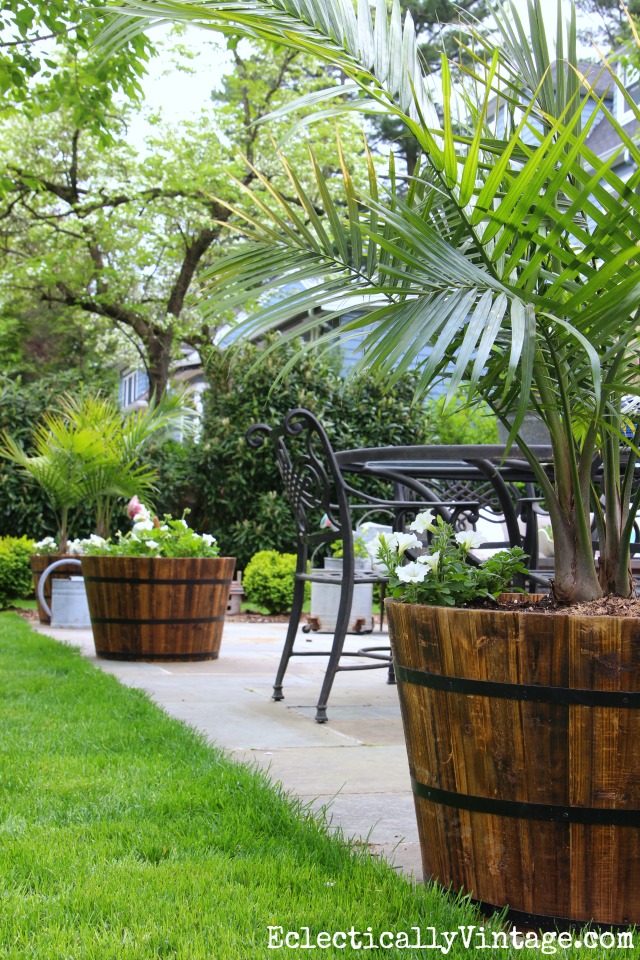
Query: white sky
[{"x": 177, "y": 92}]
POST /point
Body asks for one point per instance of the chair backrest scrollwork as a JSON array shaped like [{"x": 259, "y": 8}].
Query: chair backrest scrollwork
[{"x": 311, "y": 476}]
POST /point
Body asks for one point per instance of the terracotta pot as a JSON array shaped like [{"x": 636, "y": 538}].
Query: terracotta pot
[
  {"x": 157, "y": 608},
  {"x": 39, "y": 563},
  {"x": 523, "y": 734}
]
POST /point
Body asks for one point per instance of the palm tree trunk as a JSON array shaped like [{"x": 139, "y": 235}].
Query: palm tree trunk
[{"x": 576, "y": 579}]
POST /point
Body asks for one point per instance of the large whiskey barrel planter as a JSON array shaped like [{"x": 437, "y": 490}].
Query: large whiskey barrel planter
[
  {"x": 523, "y": 735},
  {"x": 157, "y": 608},
  {"x": 39, "y": 563}
]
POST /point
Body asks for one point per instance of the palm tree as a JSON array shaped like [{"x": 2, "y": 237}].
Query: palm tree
[
  {"x": 59, "y": 464},
  {"x": 513, "y": 254},
  {"x": 86, "y": 455},
  {"x": 118, "y": 472}
]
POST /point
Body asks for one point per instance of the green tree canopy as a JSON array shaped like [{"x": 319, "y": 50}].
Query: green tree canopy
[
  {"x": 48, "y": 60},
  {"x": 119, "y": 237}
]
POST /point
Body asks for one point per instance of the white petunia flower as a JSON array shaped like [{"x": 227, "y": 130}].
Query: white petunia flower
[
  {"x": 406, "y": 540},
  {"x": 431, "y": 560},
  {"x": 44, "y": 544},
  {"x": 423, "y": 522},
  {"x": 152, "y": 544},
  {"x": 208, "y": 539},
  {"x": 380, "y": 542},
  {"x": 468, "y": 539},
  {"x": 412, "y": 573},
  {"x": 140, "y": 525},
  {"x": 75, "y": 547}
]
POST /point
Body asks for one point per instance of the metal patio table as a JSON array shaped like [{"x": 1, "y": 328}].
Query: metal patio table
[{"x": 420, "y": 469}]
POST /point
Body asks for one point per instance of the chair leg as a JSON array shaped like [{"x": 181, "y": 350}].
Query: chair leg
[
  {"x": 294, "y": 620},
  {"x": 342, "y": 622}
]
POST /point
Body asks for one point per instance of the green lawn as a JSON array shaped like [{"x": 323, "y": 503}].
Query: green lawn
[{"x": 124, "y": 836}]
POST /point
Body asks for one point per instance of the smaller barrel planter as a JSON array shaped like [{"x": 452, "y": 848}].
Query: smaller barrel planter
[
  {"x": 39, "y": 563},
  {"x": 157, "y": 608}
]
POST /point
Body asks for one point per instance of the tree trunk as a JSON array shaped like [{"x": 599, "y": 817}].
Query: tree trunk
[
  {"x": 615, "y": 577},
  {"x": 159, "y": 353},
  {"x": 575, "y": 579}
]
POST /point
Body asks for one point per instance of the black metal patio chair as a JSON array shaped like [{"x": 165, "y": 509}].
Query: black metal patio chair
[{"x": 324, "y": 507}]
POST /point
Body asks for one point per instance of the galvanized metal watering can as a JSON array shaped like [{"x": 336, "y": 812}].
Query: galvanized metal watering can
[{"x": 69, "y": 606}]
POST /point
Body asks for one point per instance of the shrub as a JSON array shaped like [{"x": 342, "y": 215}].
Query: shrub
[
  {"x": 269, "y": 580},
  {"x": 460, "y": 423},
  {"x": 16, "y": 580}
]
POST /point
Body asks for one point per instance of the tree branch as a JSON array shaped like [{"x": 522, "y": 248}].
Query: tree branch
[
  {"x": 196, "y": 249},
  {"x": 112, "y": 311}
]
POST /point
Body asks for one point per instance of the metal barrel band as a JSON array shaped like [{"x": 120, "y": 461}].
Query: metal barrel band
[
  {"x": 135, "y": 621},
  {"x": 168, "y": 582},
  {"x": 553, "y": 813},
  {"x": 545, "y": 921},
  {"x": 525, "y": 692},
  {"x": 192, "y": 655}
]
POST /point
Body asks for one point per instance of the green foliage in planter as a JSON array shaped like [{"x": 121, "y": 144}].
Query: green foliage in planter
[
  {"x": 510, "y": 263},
  {"x": 268, "y": 580},
  {"x": 85, "y": 454},
  {"x": 16, "y": 581}
]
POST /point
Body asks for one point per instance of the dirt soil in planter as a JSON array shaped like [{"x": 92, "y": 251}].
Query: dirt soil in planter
[{"x": 608, "y": 606}]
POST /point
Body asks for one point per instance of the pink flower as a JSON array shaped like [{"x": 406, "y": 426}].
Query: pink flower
[{"x": 134, "y": 507}]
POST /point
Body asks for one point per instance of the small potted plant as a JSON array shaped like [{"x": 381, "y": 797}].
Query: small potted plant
[
  {"x": 325, "y": 597},
  {"x": 160, "y": 592}
]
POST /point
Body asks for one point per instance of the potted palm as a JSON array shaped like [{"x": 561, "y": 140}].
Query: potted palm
[
  {"x": 85, "y": 455},
  {"x": 512, "y": 255}
]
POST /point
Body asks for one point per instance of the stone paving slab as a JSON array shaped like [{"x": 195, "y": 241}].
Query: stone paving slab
[
  {"x": 345, "y": 767},
  {"x": 391, "y": 815},
  {"x": 354, "y": 767}
]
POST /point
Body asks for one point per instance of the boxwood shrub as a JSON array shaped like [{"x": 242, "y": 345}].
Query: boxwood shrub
[
  {"x": 269, "y": 580},
  {"x": 16, "y": 581}
]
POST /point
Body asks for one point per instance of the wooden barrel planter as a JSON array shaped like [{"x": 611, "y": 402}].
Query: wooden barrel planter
[
  {"x": 157, "y": 608},
  {"x": 523, "y": 735},
  {"x": 39, "y": 563}
]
